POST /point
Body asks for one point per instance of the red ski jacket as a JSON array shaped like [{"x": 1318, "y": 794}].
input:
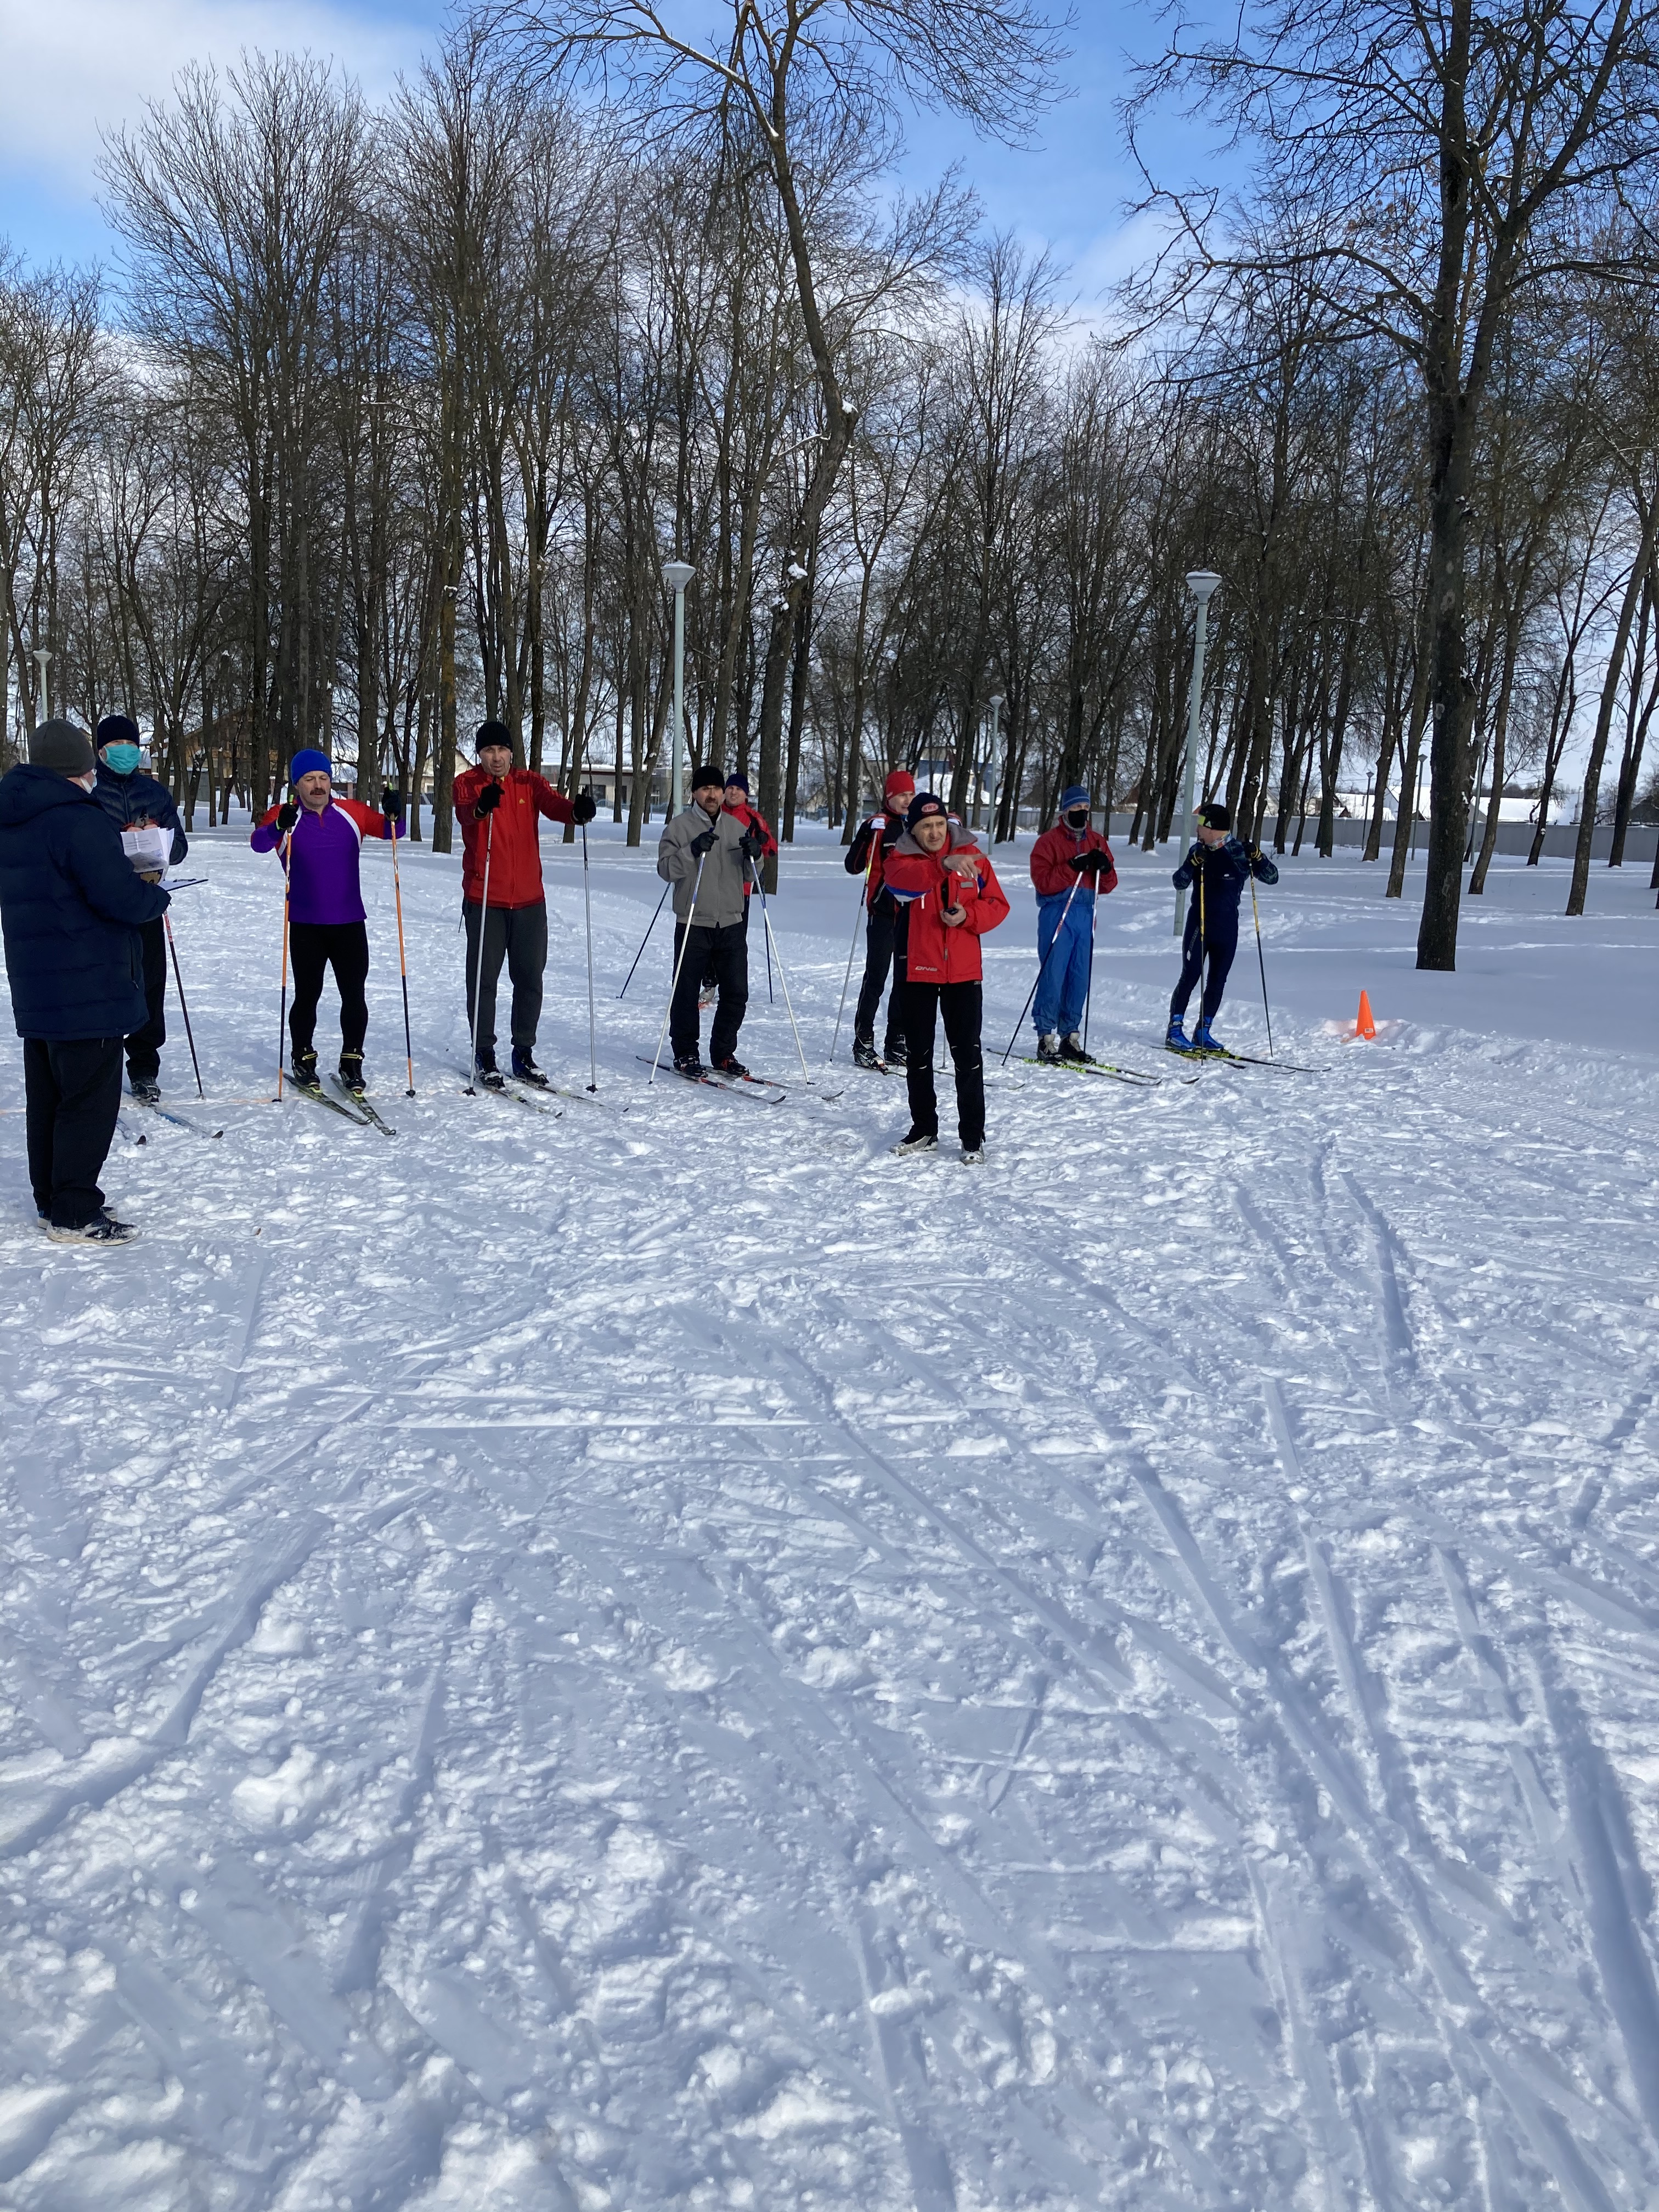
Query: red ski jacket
[
  {"x": 750, "y": 817},
  {"x": 867, "y": 856},
  {"x": 515, "y": 860},
  {"x": 1053, "y": 852},
  {"x": 916, "y": 879}
]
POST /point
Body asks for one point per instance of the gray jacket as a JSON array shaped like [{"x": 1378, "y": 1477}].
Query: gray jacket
[{"x": 719, "y": 894}]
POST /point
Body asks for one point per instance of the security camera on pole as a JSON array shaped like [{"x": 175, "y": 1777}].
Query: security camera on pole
[
  {"x": 677, "y": 574},
  {"x": 1201, "y": 582}
]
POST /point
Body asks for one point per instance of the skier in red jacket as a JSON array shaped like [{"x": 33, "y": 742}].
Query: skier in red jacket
[
  {"x": 949, "y": 890},
  {"x": 501, "y": 809},
  {"x": 1072, "y": 868},
  {"x": 884, "y": 931}
]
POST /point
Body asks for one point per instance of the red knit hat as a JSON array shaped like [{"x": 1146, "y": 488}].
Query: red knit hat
[{"x": 900, "y": 780}]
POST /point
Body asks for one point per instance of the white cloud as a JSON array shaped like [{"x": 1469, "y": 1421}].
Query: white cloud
[{"x": 76, "y": 67}]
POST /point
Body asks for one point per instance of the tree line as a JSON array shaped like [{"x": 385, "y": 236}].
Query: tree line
[{"x": 388, "y": 418}]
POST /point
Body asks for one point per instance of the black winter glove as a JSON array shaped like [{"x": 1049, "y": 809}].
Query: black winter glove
[
  {"x": 1087, "y": 864},
  {"x": 391, "y": 805},
  {"x": 488, "y": 799},
  {"x": 287, "y": 815},
  {"x": 584, "y": 806},
  {"x": 752, "y": 845},
  {"x": 703, "y": 846}
]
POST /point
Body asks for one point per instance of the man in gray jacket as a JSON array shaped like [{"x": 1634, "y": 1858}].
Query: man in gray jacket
[{"x": 706, "y": 855}]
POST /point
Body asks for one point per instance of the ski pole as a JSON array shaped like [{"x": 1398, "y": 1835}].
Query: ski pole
[
  {"x": 1060, "y": 930},
  {"x": 876, "y": 835},
  {"x": 644, "y": 941},
  {"x": 1089, "y": 983},
  {"x": 402, "y": 964},
  {"x": 1261, "y": 961},
  {"x": 478, "y": 966},
  {"x": 680, "y": 963},
  {"x": 587, "y": 909},
  {"x": 766, "y": 924},
  {"x": 281, "y": 1019},
  {"x": 183, "y": 1008}
]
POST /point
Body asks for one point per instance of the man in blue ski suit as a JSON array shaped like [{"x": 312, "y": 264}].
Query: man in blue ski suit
[
  {"x": 1072, "y": 867},
  {"x": 132, "y": 799},
  {"x": 1217, "y": 868}
]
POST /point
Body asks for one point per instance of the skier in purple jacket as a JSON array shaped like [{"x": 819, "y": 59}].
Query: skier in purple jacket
[{"x": 320, "y": 838}]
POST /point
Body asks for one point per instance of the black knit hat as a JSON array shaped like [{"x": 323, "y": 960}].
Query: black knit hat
[
  {"x": 708, "y": 779},
  {"x": 1213, "y": 815},
  {"x": 63, "y": 745},
  {"x": 924, "y": 804},
  {"x": 117, "y": 730},
  {"x": 492, "y": 733}
]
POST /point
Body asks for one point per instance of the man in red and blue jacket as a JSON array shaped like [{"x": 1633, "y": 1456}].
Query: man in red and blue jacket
[
  {"x": 951, "y": 895},
  {"x": 320, "y": 839},
  {"x": 1072, "y": 869}
]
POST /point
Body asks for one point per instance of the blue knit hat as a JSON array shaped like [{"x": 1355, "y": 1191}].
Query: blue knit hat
[
  {"x": 307, "y": 763},
  {"x": 1075, "y": 794}
]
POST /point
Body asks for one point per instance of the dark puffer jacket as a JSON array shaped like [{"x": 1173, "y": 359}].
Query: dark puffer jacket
[
  {"x": 70, "y": 905},
  {"x": 138, "y": 797}
]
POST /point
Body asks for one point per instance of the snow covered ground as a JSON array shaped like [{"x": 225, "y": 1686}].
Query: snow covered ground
[{"x": 666, "y": 1658}]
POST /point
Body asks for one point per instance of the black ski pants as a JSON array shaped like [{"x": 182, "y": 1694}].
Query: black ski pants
[
  {"x": 144, "y": 1045},
  {"x": 517, "y": 934},
  {"x": 71, "y": 1096},
  {"x": 884, "y": 938},
  {"x": 723, "y": 954},
  {"x": 961, "y": 1006},
  {"x": 711, "y": 981},
  {"x": 1222, "y": 945},
  {"x": 313, "y": 947}
]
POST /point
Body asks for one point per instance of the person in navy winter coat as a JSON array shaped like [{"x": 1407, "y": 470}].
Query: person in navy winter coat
[
  {"x": 72, "y": 908},
  {"x": 132, "y": 799},
  {"x": 1217, "y": 867}
]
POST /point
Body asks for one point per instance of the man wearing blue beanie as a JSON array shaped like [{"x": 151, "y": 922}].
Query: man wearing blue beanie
[{"x": 1072, "y": 868}]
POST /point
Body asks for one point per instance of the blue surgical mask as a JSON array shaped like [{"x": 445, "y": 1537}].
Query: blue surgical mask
[{"x": 122, "y": 758}]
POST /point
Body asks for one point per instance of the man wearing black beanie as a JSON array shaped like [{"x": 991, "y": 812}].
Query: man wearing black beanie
[
  {"x": 71, "y": 907},
  {"x": 133, "y": 800},
  {"x": 706, "y": 855}
]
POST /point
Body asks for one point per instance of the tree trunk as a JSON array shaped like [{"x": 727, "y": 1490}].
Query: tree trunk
[{"x": 1598, "y": 752}]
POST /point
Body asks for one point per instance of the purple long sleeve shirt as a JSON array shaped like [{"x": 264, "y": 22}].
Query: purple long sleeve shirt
[{"x": 324, "y": 885}]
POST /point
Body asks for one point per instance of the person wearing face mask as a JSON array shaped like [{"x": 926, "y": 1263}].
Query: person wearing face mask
[
  {"x": 1072, "y": 867},
  {"x": 72, "y": 908},
  {"x": 133, "y": 800}
]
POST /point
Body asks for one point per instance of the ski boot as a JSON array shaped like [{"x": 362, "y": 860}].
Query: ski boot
[
  {"x": 1203, "y": 1041},
  {"x": 1176, "y": 1040},
  {"x": 973, "y": 1155},
  {"x": 305, "y": 1068},
  {"x": 146, "y": 1090},
  {"x": 1048, "y": 1047},
  {"x": 896, "y": 1054},
  {"x": 689, "y": 1065},
  {"x": 917, "y": 1141},
  {"x": 864, "y": 1052},
  {"x": 351, "y": 1073},
  {"x": 524, "y": 1069},
  {"x": 1071, "y": 1048},
  {"x": 102, "y": 1229},
  {"x": 732, "y": 1066},
  {"x": 706, "y": 996},
  {"x": 485, "y": 1071}
]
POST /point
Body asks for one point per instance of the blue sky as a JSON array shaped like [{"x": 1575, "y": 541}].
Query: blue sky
[{"x": 75, "y": 65}]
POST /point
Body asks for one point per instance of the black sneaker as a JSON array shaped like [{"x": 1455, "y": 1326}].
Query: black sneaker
[
  {"x": 351, "y": 1073},
  {"x": 690, "y": 1067},
  {"x": 864, "y": 1052},
  {"x": 895, "y": 1054},
  {"x": 102, "y": 1229},
  {"x": 917, "y": 1141},
  {"x": 524, "y": 1069},
  {"x": 305, "y": 1069},
  {"x": 146, "y": 1090},
  {"x": 731, "y": 1066}
]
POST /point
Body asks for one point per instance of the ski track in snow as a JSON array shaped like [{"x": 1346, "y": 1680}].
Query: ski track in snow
[{"x": 666, "y": 1658}]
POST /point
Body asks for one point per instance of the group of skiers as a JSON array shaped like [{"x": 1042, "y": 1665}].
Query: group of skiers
[{"x": 85, "y": 940}]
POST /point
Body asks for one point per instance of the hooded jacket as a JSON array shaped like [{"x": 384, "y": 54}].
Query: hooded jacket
[
  {"x": 71, "y": 905},
  {"x": 125, "y": 798},
  {"x": 720, "y": 889},
  {"x": 916, "y": 879},
  {"x": 1053, "y": 876},
  {"x": 514, "y": 842}
]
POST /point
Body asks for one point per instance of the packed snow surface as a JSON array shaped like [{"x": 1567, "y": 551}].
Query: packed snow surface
[{"x": 665, "y": 1657}]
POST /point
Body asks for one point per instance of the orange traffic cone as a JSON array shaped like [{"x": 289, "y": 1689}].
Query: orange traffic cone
[{"x": 1365, "y": 1027}]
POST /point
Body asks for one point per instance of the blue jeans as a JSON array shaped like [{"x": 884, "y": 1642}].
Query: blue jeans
[{"x": 1063, "y": 987}]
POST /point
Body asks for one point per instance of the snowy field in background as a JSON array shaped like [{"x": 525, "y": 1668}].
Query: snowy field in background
[{"x": 669, "y": 1659}]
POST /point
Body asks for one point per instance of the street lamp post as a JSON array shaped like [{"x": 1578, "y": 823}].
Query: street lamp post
[
  {"x": 1201, "y": 582},
  {"x": 42, "y": 654},
  {"x": 994, "y": 702},
  {"x": 677, "y": 574}
]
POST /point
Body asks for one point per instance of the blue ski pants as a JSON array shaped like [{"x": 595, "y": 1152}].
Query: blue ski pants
[
  {"x": 1214, "y": 958},
  {"x": 1063, "y": 986}
]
